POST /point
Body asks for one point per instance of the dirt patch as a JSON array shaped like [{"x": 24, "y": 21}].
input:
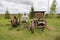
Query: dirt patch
[{"x": 50, "y": 28}]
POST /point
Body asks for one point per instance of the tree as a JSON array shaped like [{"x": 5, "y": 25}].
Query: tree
[
  {"x": 32, "y": 13},
  {"x": 53, "y": 7},
  {"x": 7, "y": 14}
]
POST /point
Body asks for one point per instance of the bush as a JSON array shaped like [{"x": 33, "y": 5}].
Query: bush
[
  {"x": 19, "y": 15},
  {"x": 48, "y": 16}
]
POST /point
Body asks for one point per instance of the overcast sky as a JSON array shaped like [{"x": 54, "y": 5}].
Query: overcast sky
[{"x": 23, "y": 6}]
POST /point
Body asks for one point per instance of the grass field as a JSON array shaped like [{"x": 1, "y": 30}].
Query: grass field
[{"x": 53, "y": 34}]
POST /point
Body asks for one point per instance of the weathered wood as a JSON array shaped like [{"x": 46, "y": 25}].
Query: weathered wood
[{"x": 39, "y": 14}]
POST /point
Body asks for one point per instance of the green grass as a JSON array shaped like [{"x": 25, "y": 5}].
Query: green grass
[{"x": 24, "y": 34}]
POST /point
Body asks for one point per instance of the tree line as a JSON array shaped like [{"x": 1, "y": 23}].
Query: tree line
[{"x": 52, "y": 11}]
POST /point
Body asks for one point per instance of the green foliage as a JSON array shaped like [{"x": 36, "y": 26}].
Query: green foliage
[
  {"x": 19, "y": 15},
  {"x": 32, "y": 13},
  {"x": 48, "y": 16},
  {"x": 53, "y": 8},
  {"x": 7, "y": 15},
  {"x": 58, "y": 16}
]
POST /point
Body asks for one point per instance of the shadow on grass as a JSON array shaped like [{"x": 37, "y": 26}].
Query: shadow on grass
[
  {"x": 57, "y": 38},
  {"x": 7, "y": 25},
  {"x": 4, "y": 24}
]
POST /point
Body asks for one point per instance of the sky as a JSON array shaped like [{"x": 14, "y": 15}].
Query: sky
[{"x": 24, "y": 6}]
